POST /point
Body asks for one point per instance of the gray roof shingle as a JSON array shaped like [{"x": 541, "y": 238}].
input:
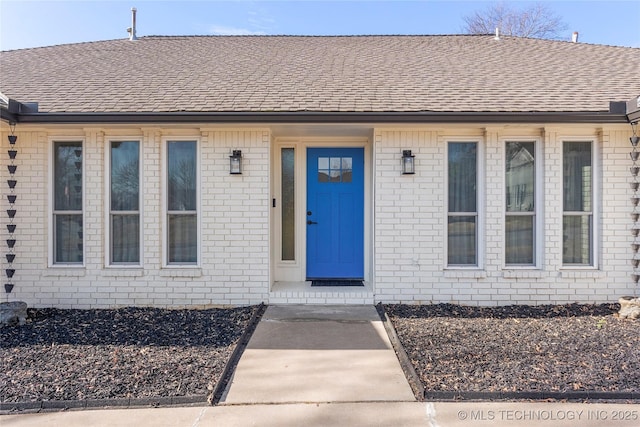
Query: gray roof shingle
[{"x": 322, "y": 74}]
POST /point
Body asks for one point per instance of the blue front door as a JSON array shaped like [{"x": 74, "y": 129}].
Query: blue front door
[{"x": 335, "y": 213}]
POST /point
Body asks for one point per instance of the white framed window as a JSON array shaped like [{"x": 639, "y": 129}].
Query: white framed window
[
  {"x": 521, "y": 203},
  {"x": 463, "y": 188},
  {"x": 124, "y": 203},
  {"x": 67, "y": 203},
  {"x": 181, "y": 202},
  {"x": 578, "y": 200}
]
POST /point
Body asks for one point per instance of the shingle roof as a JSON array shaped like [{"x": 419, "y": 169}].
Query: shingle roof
[{"x": 323, "y": 74}]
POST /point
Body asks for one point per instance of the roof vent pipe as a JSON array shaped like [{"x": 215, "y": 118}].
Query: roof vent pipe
[
  {"x": 132, "y": 30},
  {"x": 497, "y": 37},
  {"x": 574, "y": 37}
]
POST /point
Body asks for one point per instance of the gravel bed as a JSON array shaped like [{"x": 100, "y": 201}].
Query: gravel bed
[
  {"x": 120, "y": 353},
  {"x": 555, "y": 348}
]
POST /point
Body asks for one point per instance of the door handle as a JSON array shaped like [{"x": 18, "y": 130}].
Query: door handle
[{"x": 309, "y": 222}]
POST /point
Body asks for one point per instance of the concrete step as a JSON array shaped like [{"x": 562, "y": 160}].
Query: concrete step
[{"x": 304, "y": 293}]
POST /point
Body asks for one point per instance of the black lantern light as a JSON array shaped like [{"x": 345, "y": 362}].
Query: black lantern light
[
  {"x": 408, "y": 163},
  {"x": 235, "y": 162}
]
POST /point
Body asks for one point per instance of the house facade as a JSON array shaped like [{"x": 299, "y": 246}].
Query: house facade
[{"x": 200, "y": 171}]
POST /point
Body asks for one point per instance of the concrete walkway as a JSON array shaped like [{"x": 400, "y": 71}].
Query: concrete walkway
[
  {"x": 306, "y": 353},
  {"x": 330, "y": 366}
]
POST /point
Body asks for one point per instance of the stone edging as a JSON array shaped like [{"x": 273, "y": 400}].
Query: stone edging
[
  {"x": 216, "y": 394},
  {"x": 57, "y": 405},
  {"x": 530, "y": 395},
  {"x": 405, "y": 363}
]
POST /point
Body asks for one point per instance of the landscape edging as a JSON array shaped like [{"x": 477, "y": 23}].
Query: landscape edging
[
  {"x": 215, "y": 396},
  {"x": 406, "y": 365}
]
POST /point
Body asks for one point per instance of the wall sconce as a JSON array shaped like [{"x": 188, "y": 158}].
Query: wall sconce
[
  {"x": 235, "y": 162},
  {"x": 408, "y": 163}
]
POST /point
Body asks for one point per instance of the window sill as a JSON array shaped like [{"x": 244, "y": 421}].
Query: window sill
[
  {"x": 465, "y": 274},
  {"x": 523, "y": 273},
  {"x": 582, "y": 273},
  {"x": 119, "y": 271},
  {"x": 181, "y": 272},
  {"x": 65, "y": 271}
]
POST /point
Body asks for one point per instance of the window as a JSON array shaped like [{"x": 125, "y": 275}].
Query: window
[
  {"x": 335, "y": 169},
  {"x": 462, "y": 221},
  {"x": 520, "y": 203},
  {"x": 182, "y": 216},
  {"x": 577, "y": 220},
  {"x": 288, "y": 204},
  {"x": 124, "y": 215},
  {"x": 68, "y": 239}
]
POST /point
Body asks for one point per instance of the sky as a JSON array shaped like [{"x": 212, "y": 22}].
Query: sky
[{"x": 30, "y": 23}]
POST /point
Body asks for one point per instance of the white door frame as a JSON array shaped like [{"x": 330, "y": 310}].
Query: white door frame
[{"x": 295, "y": 271}]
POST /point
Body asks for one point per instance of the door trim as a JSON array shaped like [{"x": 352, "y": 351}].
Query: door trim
[{"x": 295, "y": 271}]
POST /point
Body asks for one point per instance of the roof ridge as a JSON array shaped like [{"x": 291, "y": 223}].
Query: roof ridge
[
  {"x": 316, "y": 36},
  {"x": 64, "y": 44}
]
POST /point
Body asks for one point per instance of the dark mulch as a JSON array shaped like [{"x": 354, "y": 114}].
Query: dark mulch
[
  {"x": 555, "y": 348},
  {"x": 120, "y": 353}
]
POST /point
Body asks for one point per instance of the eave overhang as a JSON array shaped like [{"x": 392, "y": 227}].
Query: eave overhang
[
  {"x": 633, "y": 110},
  {"x": 8, "y": 116},
  {"x": 315, "y": 117},
  {"x": 13, "y": 111}
]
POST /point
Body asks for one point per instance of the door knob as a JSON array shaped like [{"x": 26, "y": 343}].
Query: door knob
[{"x": 309, "y": 222}]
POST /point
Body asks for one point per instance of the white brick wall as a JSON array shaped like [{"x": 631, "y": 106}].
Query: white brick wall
[
  {"x": 234, "y": 265},
  {"x": 410, "y": 222}
]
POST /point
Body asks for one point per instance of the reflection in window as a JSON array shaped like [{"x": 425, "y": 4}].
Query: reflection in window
[
  {"x": 67, "y": 205},
  {"x": 577, "y": 221},
  {"x": 125, "y": 199},
  {"x": 335, "y": 169},
  {"x": 288, "y": 204},
  {"x": 462, "y": 198},
  {"x": 520, "y": 203},
  {"x": 182, "y": 221}
]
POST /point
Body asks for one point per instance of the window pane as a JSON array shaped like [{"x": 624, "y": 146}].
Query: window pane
[
  {"x": 68, "y": 176},
  {"x": 288, "y": 204},
  {"x": 519, "y": 238},
  {"x": 181, "y": 157},
  {"x": 183, "y": 245},
  {"x": 125, "y": 176},
  {"x": 462, "y": 177},
  {"x": 347, "y": 169},
  {"x": 577, "y": 176},
  {"x": 323, "y": 176},
  {"x": 576, "y": 248},
  {"x": 462, "y": 240},
  {"x": 125, "y": 234},
  {"x": 347, "y": 163},
  {"x": 334, "y": 163},
  {"x": 68, "y": 238},
  {"x": 520, "y": 178}
]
